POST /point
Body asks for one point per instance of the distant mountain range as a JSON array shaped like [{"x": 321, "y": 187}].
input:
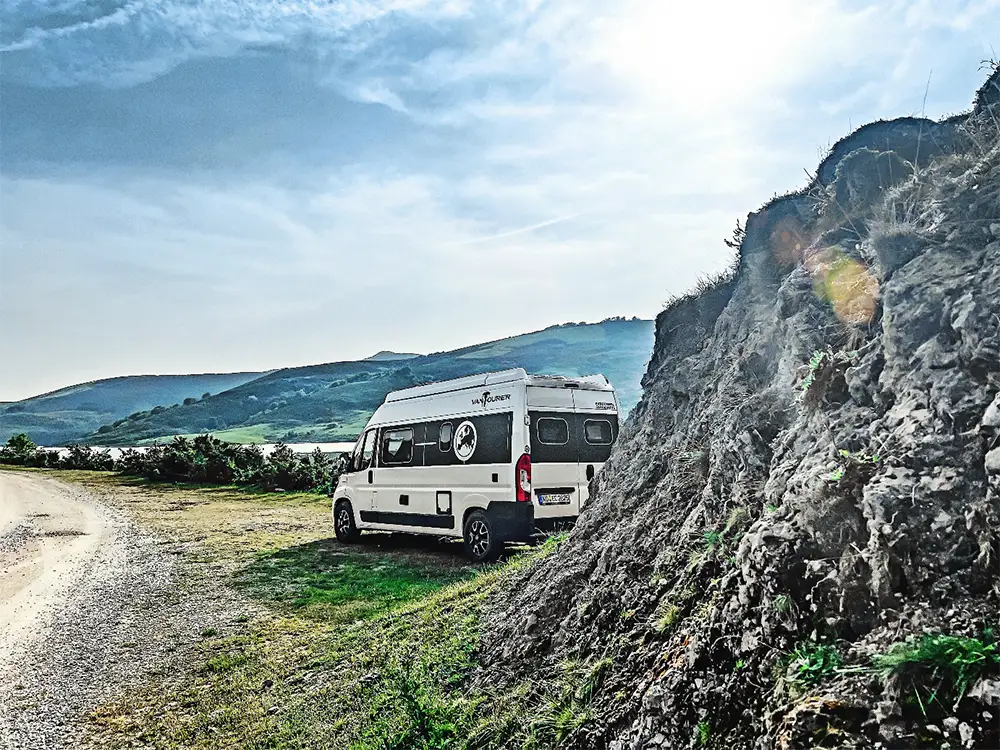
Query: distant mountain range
[
  {"x": 327, "y": 402},
  {"x": 71, "y": 413}
]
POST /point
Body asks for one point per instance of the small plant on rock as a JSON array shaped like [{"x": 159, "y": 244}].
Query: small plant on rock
[
  {"x": 713, "y": 539},
  {"x": 825, "y": 366},
  {"x": 782, "y": 604},
  {"x": 855, "y": 465},
  {"x": 810, "y": 663},
  {"x": 703, "y": 733},
  {"x": 939, "y": 667},
  {"x": 666, "y": 621}
]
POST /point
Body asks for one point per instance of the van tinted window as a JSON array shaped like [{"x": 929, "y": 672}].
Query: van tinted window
[
  {"x": 444, "y": 437},
  {"x": 552, "y": 431},
  {"x": 397, "y": 447},
  {"x": 588, "y": 437},
  {"x": 367, "y": 451},
  {"x": 598, "y": 431}
]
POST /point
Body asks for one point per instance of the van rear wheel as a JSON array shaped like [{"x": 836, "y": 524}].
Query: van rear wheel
[
  {"x": 343, "y": 523},
  {"x": 481, "y": 544}
]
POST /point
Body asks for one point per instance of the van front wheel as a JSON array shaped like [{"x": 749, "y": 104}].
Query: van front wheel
[
  {"x": 343, "y": 523},
  {"x": 481, "y": 544}
]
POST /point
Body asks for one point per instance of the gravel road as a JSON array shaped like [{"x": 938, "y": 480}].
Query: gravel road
[{"x": 89, "y": 605}]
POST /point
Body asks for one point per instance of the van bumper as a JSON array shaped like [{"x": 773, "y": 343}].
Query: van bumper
[
  {"x": 554, "y": 523},
  {"x": 512, "y": 522}
]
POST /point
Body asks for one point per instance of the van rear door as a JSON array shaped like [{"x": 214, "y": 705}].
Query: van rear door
[
  {"x": 554, "y": 463},
  {"x": 596, "y": 423}
]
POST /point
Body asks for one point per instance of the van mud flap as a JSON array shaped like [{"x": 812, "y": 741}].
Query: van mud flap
[{"x": 512, "y": 522}]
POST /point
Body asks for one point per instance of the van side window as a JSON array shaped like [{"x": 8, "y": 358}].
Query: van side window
[
  {"x": 552, "y": 431},
  {"x": 397, "y": 447},
  {"x": 597, "y": 431},
  {"x": 367, "y": 451},
  {"x": 444, "y": 437}
]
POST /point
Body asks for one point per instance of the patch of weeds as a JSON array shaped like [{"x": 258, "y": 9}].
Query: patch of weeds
[
  {"x": 782, "y": 604},
  {"x": 938, "y": 667},
  {"x": 770, "y": 508},
  {"x": 810, "y": 663},
  {"x": 226, "y": 661},
  {"x": 825, "y": 366},
  {"x": 565, "y": 706},
  {"x": 738, "y": 517},
  {"x": 713, "y": 539},
  {"x": 703, "y": 733},
  {"x": 666, "y": 621},
  {"x": 209, "y": 632}
]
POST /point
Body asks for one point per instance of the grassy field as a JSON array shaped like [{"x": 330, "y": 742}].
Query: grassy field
[{"x": 328, "y": 646}]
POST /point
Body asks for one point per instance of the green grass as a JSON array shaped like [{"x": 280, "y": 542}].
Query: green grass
[
  {"x": 810, "y": 663},
  {"x": 328, "y": 669},
  {"x": 938, "y": 667},
  {"x": 703, "y": 733},
  {"x": 320, "y": 580},
  {"x": 782, "y": 604}
]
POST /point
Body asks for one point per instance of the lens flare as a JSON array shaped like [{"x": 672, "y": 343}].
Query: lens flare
[
  {"x": 787, "y": 241},
  {"x": 844, "y": 282}
]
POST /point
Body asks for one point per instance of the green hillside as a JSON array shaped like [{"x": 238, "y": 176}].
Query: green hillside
[
  {"x": 333, "y": 401},
  {"x": 70, "y": 413}
]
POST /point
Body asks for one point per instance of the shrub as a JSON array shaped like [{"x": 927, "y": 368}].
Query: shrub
[
  {"x": 204, "y": 459},
  {"x": 19, "y": 447},
  {"x": 937, "y": 666}
]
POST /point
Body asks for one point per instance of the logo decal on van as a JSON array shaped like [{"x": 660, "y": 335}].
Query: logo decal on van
[
  {"x": 486, "y": 399},
  {"x": 465, "y": 441}
]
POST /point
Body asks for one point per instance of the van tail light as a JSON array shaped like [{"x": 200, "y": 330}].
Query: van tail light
[{"x": 522, "y": 479}]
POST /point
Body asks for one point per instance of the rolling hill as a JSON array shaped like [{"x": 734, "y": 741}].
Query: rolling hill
[
  {"x": 70, "y": 413},
  {"x": 333, "y": 401}
]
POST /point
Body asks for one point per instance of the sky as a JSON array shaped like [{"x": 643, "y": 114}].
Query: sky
[{"x": 243, "y": 185}]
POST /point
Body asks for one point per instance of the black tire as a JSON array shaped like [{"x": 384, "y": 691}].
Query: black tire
[
  {"x": 481, "y": 543},
  {"x": 343, "y": 523}
]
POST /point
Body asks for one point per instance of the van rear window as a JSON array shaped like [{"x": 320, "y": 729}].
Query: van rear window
[
  {"x": 397, "y": 447},
  {"x": 552, "y": 431},
  {"x": 598, "y": 431}
]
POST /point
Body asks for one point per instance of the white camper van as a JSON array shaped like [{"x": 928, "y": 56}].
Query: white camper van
[{"x": 490, "y": 458}]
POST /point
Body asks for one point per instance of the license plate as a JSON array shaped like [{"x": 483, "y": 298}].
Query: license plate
[{"x": 553, "y": 499}]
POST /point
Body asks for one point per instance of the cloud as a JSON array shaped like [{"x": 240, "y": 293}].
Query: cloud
[{"x": 246, "y": 184}]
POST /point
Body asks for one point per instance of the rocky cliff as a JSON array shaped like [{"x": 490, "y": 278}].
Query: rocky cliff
[{"x": 796, "y": 541}]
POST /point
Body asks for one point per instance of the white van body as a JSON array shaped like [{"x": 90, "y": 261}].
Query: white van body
[{"x": 434, "y": 454}]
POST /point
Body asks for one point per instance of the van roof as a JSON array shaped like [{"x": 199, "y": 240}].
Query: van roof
[{"x": 587, "y": 382}]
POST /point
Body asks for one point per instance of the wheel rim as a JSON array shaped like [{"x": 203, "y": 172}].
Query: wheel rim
[
  {"x": 479, "y": 538},
  {"x": 343, "y": 521}
]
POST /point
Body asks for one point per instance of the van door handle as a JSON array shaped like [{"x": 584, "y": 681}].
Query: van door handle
[
  {"x": 371, "y": 476},
  {"x": 590, "y": 472}
]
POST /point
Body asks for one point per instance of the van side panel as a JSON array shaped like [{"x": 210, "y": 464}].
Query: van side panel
[{"x": 442, "y": 481}]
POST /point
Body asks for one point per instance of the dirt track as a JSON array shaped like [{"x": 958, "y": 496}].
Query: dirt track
[
  {"x": 50, "y": 539},
  {"x": 84, "y": 600}
]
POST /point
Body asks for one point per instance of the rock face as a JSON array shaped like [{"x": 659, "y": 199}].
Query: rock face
[{"x": 815, "y": 460}]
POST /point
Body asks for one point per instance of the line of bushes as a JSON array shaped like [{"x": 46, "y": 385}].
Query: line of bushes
[{"x": 204, "y": 459}]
